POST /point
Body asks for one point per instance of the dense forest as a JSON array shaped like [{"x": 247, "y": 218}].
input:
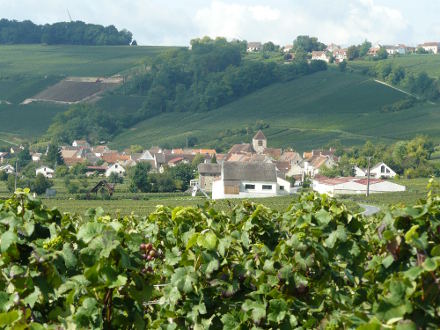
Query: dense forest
[
  {"x": 209, "y": 75},
  {"x": 62, "y": 33}
]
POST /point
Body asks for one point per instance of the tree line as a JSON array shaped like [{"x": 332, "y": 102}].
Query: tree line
[
  {"x": 62, "y": 33},
  {"x": 211, "y": 74}
]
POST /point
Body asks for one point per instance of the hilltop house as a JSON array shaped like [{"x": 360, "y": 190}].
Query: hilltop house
[
  {"x": 249, "y": 180},
  {"x": 431, "y": 47},
  {"x": 287, "y": 48},
  {"x": 320, "y": 56},
  {"x": 115, "y": 168},
  {"x": 46, "y": 171},
  {"x": 254, "y": 47},
  {"x": 81, "y": 144},
  {"x": 353, "y": 186},
  {"x": 396, "y": 50},
  {"x": 340, "y": 55}
]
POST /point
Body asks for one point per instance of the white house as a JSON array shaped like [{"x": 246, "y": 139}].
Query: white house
[
  {"x": 254, "y": 47},
  {"x": 340, "y": 55},
  {"x": 396, "y": 50},
  {"x": 9, "y": 169},
  {"x": 249, "y": 180},
  {"x": 46, "y": 171},
  {"x": 80, "y": 144},
  {"x": 287, "y": 48},
  {"x": 353, "y": 186},
  {"x": 431, "y": 47},
  {"x": 320, "y": 56},
  {"x": 36, "y": 157},
  {"x": 313, "y": 165},
  {"x": 382, "y": 170},
  {"x": 359, "y": 172},
  {"x": 115, "y": 168}
]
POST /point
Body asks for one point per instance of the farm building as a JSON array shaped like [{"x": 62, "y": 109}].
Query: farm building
[
  {"x": 431, "y": 47},
  {"x": 208, "y": 173},
  {"x": 46, "y": 171},
  {"x": 115, "y": 168},
  {"x": 249, "y": 180},
  {"x": 353, "y": 186}
]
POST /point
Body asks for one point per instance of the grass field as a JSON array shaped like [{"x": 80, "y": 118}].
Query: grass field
[
  {"x": 87, "y": 61},
  {"x": 27, "y": 121},
  {"x": 303, "y": 114},
  {"x": 412, "y": 63}
]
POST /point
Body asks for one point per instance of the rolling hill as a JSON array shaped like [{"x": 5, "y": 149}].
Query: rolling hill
[
  {"x": 26, "y": 70},
  {"x": 304, "y": 113}
]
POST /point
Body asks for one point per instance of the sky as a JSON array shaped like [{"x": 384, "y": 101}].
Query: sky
[{"x": 176, "y": 22}]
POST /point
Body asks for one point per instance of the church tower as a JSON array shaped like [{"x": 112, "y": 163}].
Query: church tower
[{"x": 259, "y": 142}]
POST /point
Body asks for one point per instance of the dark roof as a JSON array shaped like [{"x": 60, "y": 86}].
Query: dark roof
[
  {"x": 209, "y": 168},
  {"x": 239, "y": 148},
  {"x": 259, "y": 136},
  {"x": 249, "y": 171}
]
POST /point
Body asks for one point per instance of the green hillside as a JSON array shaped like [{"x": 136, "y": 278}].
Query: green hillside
[
  {"x": 304, "y": 113},
  {"x": 415, "y": 63},
  {"x": 26, "y": 70}
]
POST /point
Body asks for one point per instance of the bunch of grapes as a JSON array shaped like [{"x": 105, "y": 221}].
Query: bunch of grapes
[{"x": 149, "y": 253}]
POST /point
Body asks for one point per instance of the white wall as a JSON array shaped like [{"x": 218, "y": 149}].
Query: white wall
[
  {"x": 115, "y": 168},
  {"x": 258, "y": 192}
]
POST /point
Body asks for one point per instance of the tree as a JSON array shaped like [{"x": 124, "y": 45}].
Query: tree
[
  {"x": 197, "y": 160},
  {"x": 364, "y": 48},
  {"x": 61, "y": 171},
  {"x": 40, "y": 184},
  {"x": 269, "y": 47},
  {"x": 138, "y": 177},
  {"x": 115, "y": 178},
  {"x": 214, "y": 159},
  {"x": 342, "y": 66},
  {"x": 382, "y": 54},
  {"x": 182, "y": 174},
  {"x": 54, "y": 156},
  {"x": 307, "y": 44},
  {"x": 352, "y": 53},
  {"x": 24, "y": 157}
]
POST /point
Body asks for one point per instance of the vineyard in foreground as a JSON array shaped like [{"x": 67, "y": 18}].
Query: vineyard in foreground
[{"x": 317, "y": 265}]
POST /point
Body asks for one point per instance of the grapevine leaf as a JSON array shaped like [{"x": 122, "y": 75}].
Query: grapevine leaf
[
  {"x": 88, "y": 231},
  {"x": 257, "y": 309},
  {"x": 7, "y": 239},
  {"x": 8, "y": 318}
]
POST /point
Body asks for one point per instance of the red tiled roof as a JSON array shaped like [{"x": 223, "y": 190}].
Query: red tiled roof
[{"x": 175, "y": 160}]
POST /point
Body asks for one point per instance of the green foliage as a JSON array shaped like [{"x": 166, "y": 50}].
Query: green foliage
[
  {"x": 138, "y": 177},
  {"x": 24, "y": 157},
  {"x": 307, "y": 44},
  {"x": 315, "y": 266},
  {"x": 115, "y": 178},
  {"x": 64, "y": 33},
  {"x": 40, "y": 184},
  {"x": 54, "y": 155}
]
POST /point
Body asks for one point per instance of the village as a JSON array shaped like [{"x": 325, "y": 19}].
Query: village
[
  {"x": 247, "y": 170},
  {"x": 334, "y": 53}
]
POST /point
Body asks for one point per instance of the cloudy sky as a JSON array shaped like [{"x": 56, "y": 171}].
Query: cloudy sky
[{"x": 175, "y": 22}]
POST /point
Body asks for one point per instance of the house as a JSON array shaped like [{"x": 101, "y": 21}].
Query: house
[
  {"x": 115, "y": 168},
  {"x": 46, "y": 171},
  {"x": 100, "y": 150},
  {"x": 396, "y": 50},
  {"x": 359, "y": 172},
  {"x": 320, "y": 56},
  {"x": 81, "y": 144},
  {"x": 431, "y": 47},
  {"x": 313, "y": 165},
  {"x": 353, "y": 186},
  {"x": 287, "y": 48},
  {"x": 176, "y": 161},
  {"x": 208, "y": 173},
  {"x": 9, "y": 169},
  {"x": 249, "y": 180},
  {"x": 382, "y": 170},
  {"x": 36, "y": 156},
  {"x": 3, "y": 155},
  {"x": 373, "y": 50},
  {"x": 254, "y": 47},
  {"x": 113, "y": 157},
  {"x": 340, "y": 55},
  {"x": 332, "y": 47}
]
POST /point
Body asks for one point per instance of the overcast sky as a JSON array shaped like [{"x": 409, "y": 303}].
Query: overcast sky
[{"x": 176, "y": 22}]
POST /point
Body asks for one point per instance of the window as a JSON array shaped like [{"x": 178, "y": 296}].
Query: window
[
  {"x": 382, "y": 169},
  {"x": 267, "y": 187},
  {"x": 260, "y": 143},
  {"x": 281, "y": 187},
  {"x": 249, "y": 186}
]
